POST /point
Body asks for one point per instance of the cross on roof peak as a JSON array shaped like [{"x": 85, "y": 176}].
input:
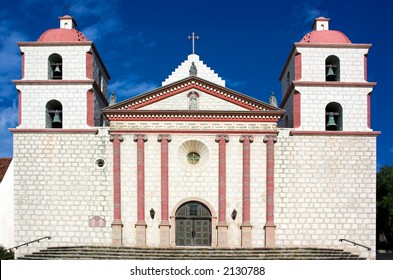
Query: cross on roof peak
[{"x": 193, "y": 37}]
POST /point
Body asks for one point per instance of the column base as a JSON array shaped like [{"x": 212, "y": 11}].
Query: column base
[
  {"x": 222, "y": 235},
  {"x": 246, "y": 230},
  {"x": 117, "y": 233},
  {"x": 165, "y": 230},
  {"x": 140, "y": 234},
  {"x": 270, "y": 234}
]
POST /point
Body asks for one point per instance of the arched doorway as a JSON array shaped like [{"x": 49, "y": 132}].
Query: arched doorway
[{"x": 193, "y": 225}]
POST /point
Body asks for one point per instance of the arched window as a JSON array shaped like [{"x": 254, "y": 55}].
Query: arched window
[
  {"x": 54, "y": 114},
  {"x": 333, "y": 116},
  {"x": 332, "y": 68},
  {"x": 55, "y": 67}
]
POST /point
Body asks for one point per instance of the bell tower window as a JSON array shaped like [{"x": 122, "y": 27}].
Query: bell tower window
[
  {"x": 55, "y": 67},
  {"x": 332, "y": 69},
  {"x": 54, "y": 114},
  {"x": 333, "y": 117}
]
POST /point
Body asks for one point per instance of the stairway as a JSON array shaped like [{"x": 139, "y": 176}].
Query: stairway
[{"x": 132, "y": 253}]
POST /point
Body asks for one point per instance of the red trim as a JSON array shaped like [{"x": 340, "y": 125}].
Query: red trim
[
  {"x": 365, "y": 67},
  {"x": 269, "y": 132},
  {"x": 334, "y": 84},
  {"x": 298, "y": 66},
  {"x": 296, "y": 110},
  {"x": 53, "y": 82},
  {"x": 54, "y": 130},
  {"x": 334, "y": 133},
  {"x": 190, "y": 83},
  {"x": 328, "y": 45},
  {"x": 200, "y": 119},
  {"x": 141, "y": 178},
  {"x": 222, "y": 179},
  {"x": 116, "y": 178},
  {"x": 89, "y": 64},
  {"x": 90, "y": 107},
  {"x": 35, "y": 44},
  {"x": 19, "y": 107},
  {"x": 23, "y": 65},
  {"x": 246, "y": 179},
  {"x": 164, "y": 179},
  {"x": 369, "y": 110}
]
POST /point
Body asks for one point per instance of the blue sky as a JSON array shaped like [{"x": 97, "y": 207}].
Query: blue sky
[{"x": 245, "y": 42}]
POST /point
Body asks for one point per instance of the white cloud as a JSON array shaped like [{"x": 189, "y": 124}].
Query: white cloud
[
  {"x": 8, "y": 119},
  {"x": 125, "y": 89}
]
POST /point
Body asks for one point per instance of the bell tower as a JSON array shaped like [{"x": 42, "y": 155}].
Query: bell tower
[
  {"x": 324, "y": 83},
  {"x": 64, "y": 82}
]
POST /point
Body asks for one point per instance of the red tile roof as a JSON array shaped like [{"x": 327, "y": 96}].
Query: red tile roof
[{"x": 4, "y": 163}]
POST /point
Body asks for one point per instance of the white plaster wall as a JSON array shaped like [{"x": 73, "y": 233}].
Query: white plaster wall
[
  {"x": 36, "y": 61},
  {"x": 72, "y": 97},
  {"x": 7, "y": 208},
  {"x": 205, "y": 102},
  {"x": 352, "y": 99},
  {"x": 58, "y": 188},
  {"x": 325, "y": 190},
  {"x": 351, "y": 63}
]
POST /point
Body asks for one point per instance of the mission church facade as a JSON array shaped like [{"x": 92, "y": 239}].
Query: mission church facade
[{"x": 194, "y": 163}]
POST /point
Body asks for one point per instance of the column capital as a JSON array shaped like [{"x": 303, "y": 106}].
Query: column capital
[
  {"x": 243, "y": 137},
  {"x": 119, "y": 136},
  {"x": 167, "y": 136},
  {"x": 268, "y": 137},
  {"x": 138, "y": 136},
  {"x": 218, "y": 138}
]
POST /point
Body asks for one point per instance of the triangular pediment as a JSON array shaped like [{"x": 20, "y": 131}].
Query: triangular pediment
[{"x": 235, "y": 101}]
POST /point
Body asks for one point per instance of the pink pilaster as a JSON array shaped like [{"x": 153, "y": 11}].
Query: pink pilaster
[
  {"x": 141, "y": 224},
  {"x": 246, "y": 226},
  {"x": 222, "y": 227},
  {"x": 270, "y": 227},
  {"x": 117, "y": 225},
  {"x": 90, "y": 107},
  {"x": 164, "y": 225}
]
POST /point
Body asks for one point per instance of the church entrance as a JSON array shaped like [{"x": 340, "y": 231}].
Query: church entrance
[{"x": 193, "y": 225}]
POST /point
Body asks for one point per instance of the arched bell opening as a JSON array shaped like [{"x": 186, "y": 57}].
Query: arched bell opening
[
  {"x": 333, "y": 117},
  {"x": 55, "y": 67},
  {"x": 332, "y": 69},
  {"x": 54, "y": 114}
]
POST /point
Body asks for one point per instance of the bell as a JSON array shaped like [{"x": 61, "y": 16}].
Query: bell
[
  {"x": 56, "y": 122},
  {"x": 331, "y": 123},
  {"x": 57, "y": 71},
  {"x": 330, "y": 74}
]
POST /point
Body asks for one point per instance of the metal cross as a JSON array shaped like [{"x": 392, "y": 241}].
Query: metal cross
[{"x": 193, "y": 37}]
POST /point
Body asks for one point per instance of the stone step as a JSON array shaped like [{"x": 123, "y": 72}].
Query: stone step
[{"x": 90, "y": 252}]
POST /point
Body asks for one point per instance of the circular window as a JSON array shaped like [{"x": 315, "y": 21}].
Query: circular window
[
  {"x": 193, "y": 154},
  {"x": 100, "y": 163},
  {"x": 193, "y": 158}
]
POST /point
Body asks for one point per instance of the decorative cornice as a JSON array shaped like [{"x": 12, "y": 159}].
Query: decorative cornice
[
  {"x": 140, "y": 136},
  {"x": 190, "y": 83},
  {"x": 335, "y": 133},
  {"x": 327, "y": 45},
  {"x": 54, "y": 130},
  {"x": 333, "y": 84},
  {"x": 226, "y": 138},
  {"x": 171, "y": 115},
  {"x": 268, "y": 137},
  {"x": 53, "y": 82},
  {"x": 174, "y": 131},
  {"x": 243, "y": 137},
  {"x": 167, "y": 136}
]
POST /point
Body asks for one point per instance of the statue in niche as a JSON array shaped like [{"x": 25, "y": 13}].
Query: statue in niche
[
  {"x": 193, "y": 104},
  {"x": 193, "y": 70}
]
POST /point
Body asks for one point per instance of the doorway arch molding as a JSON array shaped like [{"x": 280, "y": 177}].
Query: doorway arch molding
[{"x": 213, "y": 219}]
